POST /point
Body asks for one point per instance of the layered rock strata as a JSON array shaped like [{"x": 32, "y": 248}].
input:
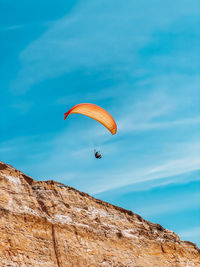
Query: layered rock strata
[{"x": 45, "y": 225}]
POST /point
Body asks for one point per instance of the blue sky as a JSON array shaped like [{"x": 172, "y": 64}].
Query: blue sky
[{"x": 138, "y": 59}]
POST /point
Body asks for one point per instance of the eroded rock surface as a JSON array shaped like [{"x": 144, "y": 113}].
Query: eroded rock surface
[{"x": 43, "y": 225}]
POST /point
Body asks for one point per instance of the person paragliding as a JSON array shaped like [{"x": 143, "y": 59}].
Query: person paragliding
[
  {"x": 97, "y": 154},
  {"x": 97, "y": 113}
]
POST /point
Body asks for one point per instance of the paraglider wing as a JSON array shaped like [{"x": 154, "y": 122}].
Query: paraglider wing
[{"x": 95, "y": 112}]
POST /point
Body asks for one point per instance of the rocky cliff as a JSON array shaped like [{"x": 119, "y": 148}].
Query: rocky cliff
[{"x": 43, "y": 224}]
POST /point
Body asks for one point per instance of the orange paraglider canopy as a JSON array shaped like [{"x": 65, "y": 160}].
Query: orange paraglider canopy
[{"x": 95, "y": 112}]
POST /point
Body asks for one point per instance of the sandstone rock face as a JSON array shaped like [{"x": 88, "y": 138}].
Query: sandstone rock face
[{"x": 44, "y": 225}]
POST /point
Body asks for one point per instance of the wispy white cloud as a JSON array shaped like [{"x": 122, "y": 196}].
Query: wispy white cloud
[
  {"x": 165, "y": 171},
  {"x": 46, "y": 24},
  {"x": 160, "y": 108},
  {"x": 131, "y": 126},
  {"x": 190, "y": 234},
  {"x": 180, "y": 159},
  {"x": 10, "y": 28},
  {"x": 93, "y": 36},
  {"x": 170, "y": 206}
]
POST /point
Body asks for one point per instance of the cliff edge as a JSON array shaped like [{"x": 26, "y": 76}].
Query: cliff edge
[{"x": 45, "y": 225}]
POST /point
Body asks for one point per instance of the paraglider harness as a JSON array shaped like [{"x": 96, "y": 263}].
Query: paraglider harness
[{"x": 97, "y": 154}]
